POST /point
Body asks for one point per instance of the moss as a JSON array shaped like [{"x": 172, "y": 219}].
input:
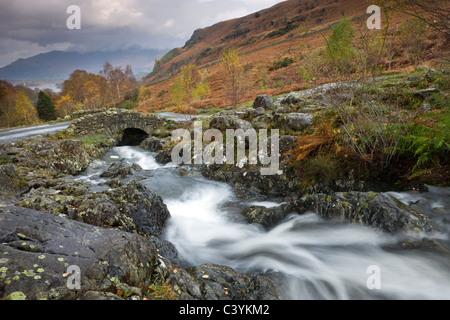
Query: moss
[
  {"x": 163, "y": 291},
  {"x": 17, "y": 295}
]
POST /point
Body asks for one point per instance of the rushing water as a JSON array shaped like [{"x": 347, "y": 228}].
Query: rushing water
[{"x": 319, "y": 259}]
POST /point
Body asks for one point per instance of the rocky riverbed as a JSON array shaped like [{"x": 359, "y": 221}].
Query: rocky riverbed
[{"x": 140, "y": 227}]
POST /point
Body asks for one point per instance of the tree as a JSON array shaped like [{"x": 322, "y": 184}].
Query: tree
[
  {"x": 45, "y": 107},
  {"x": 233, "y": 77},
  {"x": 88, "y": 89},
  {"x": 340, "y": 51},
  {"x": 119, "y": 81},
  {"x": 433, "y": 13},
  {"x": 177, "y": 93},
  {"x": 24, "y": 112},
  {"x": 188, "y": 86},
  {"x": 143, "y": 94},
  {"x": 189, "y": 79},
  {"x": 413, "y": 40},
  {"x": 64, "y": 106}
]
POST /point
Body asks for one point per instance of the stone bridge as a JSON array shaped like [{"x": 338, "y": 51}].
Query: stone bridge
[{"x": 134, "y": 126}]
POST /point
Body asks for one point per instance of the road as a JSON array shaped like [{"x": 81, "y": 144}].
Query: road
[{"x": 12, "y": 135}]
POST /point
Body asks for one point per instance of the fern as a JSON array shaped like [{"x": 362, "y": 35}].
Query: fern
[{"x": 428, "y": 145}]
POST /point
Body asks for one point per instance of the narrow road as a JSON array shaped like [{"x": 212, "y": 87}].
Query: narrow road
[{"x": 12, "y": 135}]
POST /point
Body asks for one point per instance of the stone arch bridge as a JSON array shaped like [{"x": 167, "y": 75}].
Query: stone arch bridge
[{"x": 134, "y": 126}]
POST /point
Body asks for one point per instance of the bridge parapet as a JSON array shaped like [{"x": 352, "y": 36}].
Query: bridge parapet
[{"x": 113, "y": 121}]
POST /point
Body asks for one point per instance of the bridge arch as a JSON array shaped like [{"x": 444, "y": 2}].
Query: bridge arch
[{"x": 131, "y": 125}]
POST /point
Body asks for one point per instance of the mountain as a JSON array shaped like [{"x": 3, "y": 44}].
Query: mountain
[
  {"x": 58, "y": 65},
  {"x": 290, "y": 29},
  {"x": 275, "y": 45},
  {"x": 286, "y": 22}
]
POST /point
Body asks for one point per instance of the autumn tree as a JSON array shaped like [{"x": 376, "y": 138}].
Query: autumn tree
[
  {"x": 144, "y": 94},
  {"x": 64, "y": 106},
  {"x": 233, "y": 77},
  {"x": 413, "y": 40},
  {"x": 45, "y": 107},
  {"x": 7, "y": 102},
  {"x": 340, "y": 52},
  {"x": 24, "y": 112},
  {"x": 188, "y": 86},
  {"x": 87, "y": 89},
  {"x": 119, "y": 81}
]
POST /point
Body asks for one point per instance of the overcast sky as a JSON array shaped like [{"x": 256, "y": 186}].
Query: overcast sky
[{"x": 29, "y": 27}]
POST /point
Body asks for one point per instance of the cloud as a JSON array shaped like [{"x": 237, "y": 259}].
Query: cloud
[{"x": 30, "y": 27}]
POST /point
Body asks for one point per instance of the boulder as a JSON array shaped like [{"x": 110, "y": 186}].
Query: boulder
[
  {"x": 263, "y": 101},
  {"x": 10, "y": 181},
  {"x": 223, "y": 123},
  {"x": 153, "y": 144},
  {"x": 380, "y": 211},
  {"x": 215, "y": 282},
  {"x": 145, "y": 208},
  {"x": 64, "y": 156},
  {"x": 292, "y": 99},
  {"x": 296, "y": 121},
  {"x": 121, "y": 169},
  {"x": 37, "y": 249}
]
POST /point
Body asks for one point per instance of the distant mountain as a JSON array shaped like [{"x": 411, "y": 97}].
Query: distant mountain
[{"x": 58, "y": 65}]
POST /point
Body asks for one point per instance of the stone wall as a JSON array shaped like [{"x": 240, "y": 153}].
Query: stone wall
[{"x": 113, "y": 121}]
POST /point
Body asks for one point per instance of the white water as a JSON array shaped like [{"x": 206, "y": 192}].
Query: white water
[{"x": 321, "y": 260}]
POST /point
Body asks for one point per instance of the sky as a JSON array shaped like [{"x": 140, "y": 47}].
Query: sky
[{"x": 30, "y": 27}]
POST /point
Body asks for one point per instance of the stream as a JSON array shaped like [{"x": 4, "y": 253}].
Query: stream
[{"x": 318, "y": 259}]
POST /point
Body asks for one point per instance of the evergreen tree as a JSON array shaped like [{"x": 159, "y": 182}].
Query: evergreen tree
[{"x": 45, "y": 107}]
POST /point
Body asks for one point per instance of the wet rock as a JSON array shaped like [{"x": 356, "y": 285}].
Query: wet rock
[
  {"x": 263, "y": 101},
  {"x": 223, "y": 283},
  {"x": 249, "y": 182},
  {"x": 164, "y": 156},
  {"x": 131, "y": 207},
  {"x": 51, "y": 201},
  {"x": 146, "y": 209},
  {"x": 380, "y": 211},
  {"x": 153, "y": 144},
  {"x": 214, "y": 282},
  {"x": 121, "y": 169},
  {"x": 266, "y": 217},
  {"x": 10, "y": 181},
  {"x": 37, "y": 249},
  {"x": 65, "y": 156}
]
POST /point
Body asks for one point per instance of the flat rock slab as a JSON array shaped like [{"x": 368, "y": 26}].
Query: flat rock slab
[{"x": 36, "y": 250}]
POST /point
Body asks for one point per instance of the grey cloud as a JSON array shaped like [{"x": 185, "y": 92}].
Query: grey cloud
[{"x": 27, "y": 27}]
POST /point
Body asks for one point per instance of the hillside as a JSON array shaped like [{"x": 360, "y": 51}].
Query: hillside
[
  {"x": 58, "y": 65},
  {"x": 291, "y": 30}
]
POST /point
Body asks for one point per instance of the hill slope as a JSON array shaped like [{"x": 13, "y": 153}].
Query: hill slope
[{"x": 292, "y": 29}]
